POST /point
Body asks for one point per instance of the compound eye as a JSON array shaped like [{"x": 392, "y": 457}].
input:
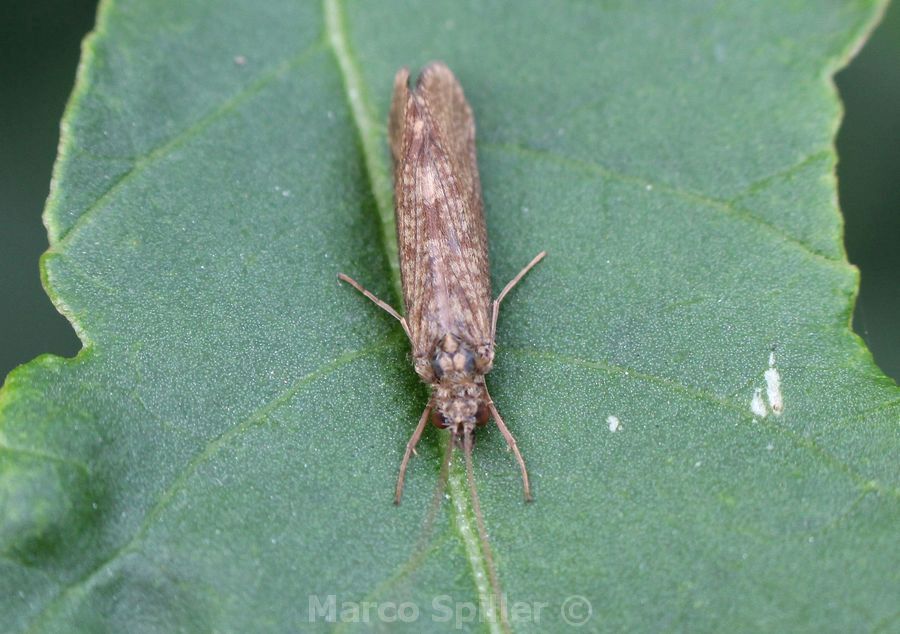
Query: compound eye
[
  {"x": 438, "y": 420},
  {"x": 436, "y": 366},
  {"x": 483, "y": 414},
  {"x": 469, "y": 363}
]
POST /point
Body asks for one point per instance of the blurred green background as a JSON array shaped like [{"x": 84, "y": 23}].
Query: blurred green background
[{"x": 40, "y": 51}]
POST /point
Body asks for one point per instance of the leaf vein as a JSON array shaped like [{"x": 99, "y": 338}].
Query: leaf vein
[
  {"x": 723, "y": 207},
  {"x": 43, "y": 455},
  {"x": 761, "y": 183},
  {"x": 799, "y": 440},
  {"x": 179, "y": 482},
  {"x": 143, "y": 161}
]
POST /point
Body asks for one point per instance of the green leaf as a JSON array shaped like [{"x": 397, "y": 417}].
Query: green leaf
[{"x": 221, "y": 455}]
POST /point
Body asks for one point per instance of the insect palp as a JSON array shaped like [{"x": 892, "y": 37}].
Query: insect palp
[
  {"x": 410, "y": 449},
  {"x": 510, "y": 443}
]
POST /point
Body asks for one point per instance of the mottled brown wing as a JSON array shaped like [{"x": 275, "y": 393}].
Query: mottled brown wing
[{"x": 439, "y": 211}]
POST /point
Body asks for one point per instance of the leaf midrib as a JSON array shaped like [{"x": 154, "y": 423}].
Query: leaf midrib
[{"x": 380, "y": 182}]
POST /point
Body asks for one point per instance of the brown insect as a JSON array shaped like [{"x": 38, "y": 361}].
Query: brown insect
[{"x": 450, "y": 319}]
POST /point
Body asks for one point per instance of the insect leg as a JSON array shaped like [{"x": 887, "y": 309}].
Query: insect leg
[
  {"x": 511, "y": 442},
  {"x": 410, "y": 449},
  {"x": 496, "y": 306},
  {"x": 381, "y": 304}
]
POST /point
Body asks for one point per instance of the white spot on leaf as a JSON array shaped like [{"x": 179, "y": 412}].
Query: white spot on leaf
[
  {"x": 757, "y": 405},
  {"x": 773, "y": 391}
]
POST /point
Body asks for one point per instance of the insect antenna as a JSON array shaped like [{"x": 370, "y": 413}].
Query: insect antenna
[
  {"x": 436, "y": 499},
  {"x": 468, "y": 440},
  {"x": 421, "y": 549}
]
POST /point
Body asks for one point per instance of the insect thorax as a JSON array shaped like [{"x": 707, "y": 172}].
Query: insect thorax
[{"x": 456, "y": 372}]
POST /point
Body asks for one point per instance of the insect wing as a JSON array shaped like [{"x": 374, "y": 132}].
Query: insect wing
[{"x": 440, "y": 219}]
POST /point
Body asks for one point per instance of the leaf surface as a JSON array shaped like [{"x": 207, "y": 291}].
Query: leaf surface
[{"x": 222, "y": 454}]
